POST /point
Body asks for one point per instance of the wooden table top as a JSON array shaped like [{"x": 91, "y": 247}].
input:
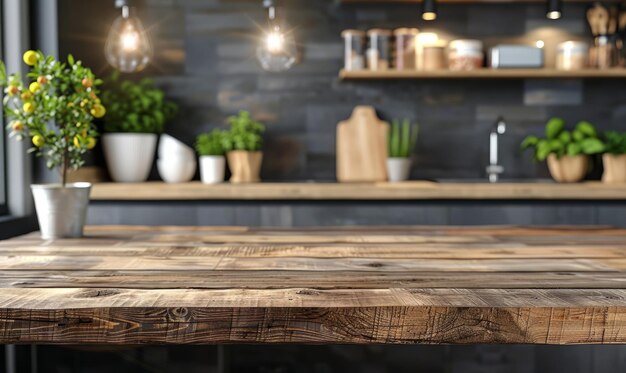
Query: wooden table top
[{"x": 435, "y": 285}]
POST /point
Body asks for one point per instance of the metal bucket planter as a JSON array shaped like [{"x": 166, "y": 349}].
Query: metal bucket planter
[{"x": 61, "y": 210}]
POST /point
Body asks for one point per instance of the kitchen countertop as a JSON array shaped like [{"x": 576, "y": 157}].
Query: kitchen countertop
[
  {"x": 411, "y": 190},
  {"x": 368, "y": 285}
]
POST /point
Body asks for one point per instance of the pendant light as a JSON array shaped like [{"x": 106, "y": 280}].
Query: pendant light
[
  {"x": 277, "y": 51},
  {"x": 128, "y": 47},
  {"x": 554, "y": 9},
  {"x": 429, "y": 10}
]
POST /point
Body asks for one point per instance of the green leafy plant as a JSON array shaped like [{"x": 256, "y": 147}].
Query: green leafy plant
[
  {"x": 55, "y": 110},
  {"x": 615, "y": 142},
  {"x": 561, "y": 142},
  {"x": 211, "y": 143},
  {"x": 136, "y": 107},
  {"x": 402, "y": 138},
  {"x": 245, "y": 133}
]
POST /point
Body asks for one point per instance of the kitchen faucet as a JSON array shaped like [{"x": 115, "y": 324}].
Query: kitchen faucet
[{"x": 494, "y": 169}]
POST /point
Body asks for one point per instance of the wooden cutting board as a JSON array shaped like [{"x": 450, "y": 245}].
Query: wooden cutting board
[{"x": 362, "y": 147}]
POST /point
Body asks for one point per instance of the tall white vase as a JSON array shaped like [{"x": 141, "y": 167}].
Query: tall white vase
[{"x": 129, "y": 156}]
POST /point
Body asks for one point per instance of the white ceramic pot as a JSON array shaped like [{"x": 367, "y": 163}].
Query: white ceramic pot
[
  {"x": 129, "y": 156},
  {"x": 176, "y": 169},
  {"x": 61, "y": 210},
  {"x": 171, "y": 146},
  {"x": 212, "y": 169},
  {"x": 398, "y": 169}
]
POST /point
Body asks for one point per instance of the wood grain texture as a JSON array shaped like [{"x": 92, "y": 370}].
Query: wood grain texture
[
  {"x": 432, "y": 285},
  {"x": 484, "y": 74},
  {"x": 412, "y": 190}
]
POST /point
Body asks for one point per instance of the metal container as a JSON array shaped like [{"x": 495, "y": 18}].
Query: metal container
[
  {"x": 572, "y": 55},
  {"x": 378, "y": 53},
  {"x": 516, "y": 56},
  {"x": 61, "y": 211},
  {"x": 354, "y": 49}
]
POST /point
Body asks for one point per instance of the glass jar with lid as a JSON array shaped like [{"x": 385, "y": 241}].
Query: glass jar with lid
[
  {"x": 354, "y": 49},
  {"x": 465, "y": 54},
  {"x": 406, "y": 39},
  {"x": 378, "y": 52},
  {"x": 572, "y": 55}
]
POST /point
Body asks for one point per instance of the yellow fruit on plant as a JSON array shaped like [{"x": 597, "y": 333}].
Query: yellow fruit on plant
[
  {"x": 87, "y": 83},
  {"x": 77, "y": 142},
  {"x": 42, "y": 80},
  {"x": 28, "y": 107},
  {"x": 34, "y": 87},
  {"x": 70, "y": 104},
  {"x": 91, "y": 143},
  {"x": 98, "y": 111},
  {"x": 83, "y": 103},
  {"x": 38, "y": 141},
  {"x": 31, "y": 58},
  {"x": 17, "y": 126},
  {"x": 13, "y": 90},
  {"x": 27, "y": 96}
]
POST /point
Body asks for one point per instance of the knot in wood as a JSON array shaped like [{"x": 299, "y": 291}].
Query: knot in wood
[{"x": 178, "y": 314}]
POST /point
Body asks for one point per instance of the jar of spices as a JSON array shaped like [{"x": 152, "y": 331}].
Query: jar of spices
[
  {"x": 378, "y": 53},
  {"x": 465, "y": 54},
  {"x": 434, "y": 57},
  {"x": 354, "y": 49},
  {"x": 572, "y": 55},
  {"x": 405, "y": 48}
]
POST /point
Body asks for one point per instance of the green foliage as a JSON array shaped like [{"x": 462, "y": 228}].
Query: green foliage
[
  {"x": 582, "y": 140},
  {"x": 245, "y": 133},
  {"x": 615, "y": 142},
  {"x": 55, "y": 110},
  {"x": 402, "y": 139},
  {"x": 136, "y": 107},
  {"x": 211, "y": 143}
]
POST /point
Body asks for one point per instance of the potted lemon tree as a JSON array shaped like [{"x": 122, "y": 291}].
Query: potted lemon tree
[
  {"x": 242, "y": 143},
  {"x": 567, "y": 152},
  {"x": 54, "y": 112},
  {"x": 137, "y": 113}
]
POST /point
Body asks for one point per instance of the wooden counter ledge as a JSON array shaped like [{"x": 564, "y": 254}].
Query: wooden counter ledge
[{"x": 413, "y": 190}]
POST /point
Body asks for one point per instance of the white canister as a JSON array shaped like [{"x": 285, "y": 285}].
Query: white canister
[
  {"x": 212, "y": 169},
  {"x": 572, "y": 55},
  {"x": 465, "y": 54}
]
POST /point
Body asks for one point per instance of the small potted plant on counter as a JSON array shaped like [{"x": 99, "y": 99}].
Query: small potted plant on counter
[
  {"x": 138, "y": 112},
  {"x": 614, "y": 157},
  {"x": 567, "y": 152},
  {"x": 242, "y": 143},
  {"x": 210, "y": 148},
  {"x": 55, "y": 113},
  {"x": 401, "y": 142}
]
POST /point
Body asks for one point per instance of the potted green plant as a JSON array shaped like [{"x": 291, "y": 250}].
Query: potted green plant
[
  {"x": 614, "y": 157},
  {"x": 54, "y": 111},
  {"x": 210, "y": 148},
  {"x": 567, "y": 152},
  {"x": 400, "y": 144},
  {"x": 242, "y": 143},
  {"x": 137, "y": 114}
]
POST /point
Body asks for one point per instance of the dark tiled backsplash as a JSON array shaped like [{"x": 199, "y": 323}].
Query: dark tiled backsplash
[{"x": 205, "y": 61}]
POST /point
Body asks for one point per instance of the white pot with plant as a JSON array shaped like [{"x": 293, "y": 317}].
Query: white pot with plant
[
  {"x": 210, "y": 148},
  {"x": 614, "y": 157},
  {"x": 137, "y": 113},
  {"x": 401, "y": 143},
  {"x": 55, "y": 112},
  {"x": 242, "y": 143},
  {"x": 567, "y": 152}
]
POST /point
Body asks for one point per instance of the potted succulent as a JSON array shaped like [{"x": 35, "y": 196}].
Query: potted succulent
[
  {"x": 55, "y": 113},
  {"x": 242, "y": 143},
  {"x": 137, "y": 113},
  {"x": 614, "y": 157},
  {"x": 210, "y": 148},
  {"x": 567, "y": 152},
  {"x": 401, "y": 142}
]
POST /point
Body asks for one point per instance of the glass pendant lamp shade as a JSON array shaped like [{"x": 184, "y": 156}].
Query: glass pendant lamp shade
[
  {"x": 277, "y": 50},
  {"x": 128, "y": 47}
]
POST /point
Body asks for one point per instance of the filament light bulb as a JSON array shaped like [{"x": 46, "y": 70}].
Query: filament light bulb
[
  {"x": 128, "y": 47},
  {"x": 277, "y": 51}
]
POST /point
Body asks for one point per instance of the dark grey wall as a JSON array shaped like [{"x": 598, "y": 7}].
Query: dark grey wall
[{"x": 205, "y": 60}]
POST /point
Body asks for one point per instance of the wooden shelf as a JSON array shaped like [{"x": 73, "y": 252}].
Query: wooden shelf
[
  {"x": 484, "y": 74},
  {"x": 464, "y": 1},
  {"x": 410, "y": 190}
]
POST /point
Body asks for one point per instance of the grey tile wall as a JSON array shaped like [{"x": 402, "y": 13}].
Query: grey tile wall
[{"x": 205, "y": 61}]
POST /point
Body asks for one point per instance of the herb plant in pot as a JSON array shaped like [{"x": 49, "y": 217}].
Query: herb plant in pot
[
  {"x": 567, "y": 152},
  {"x": 242, "y": 143},
  {"x": 55, "y": 113},
  {"x": 137, "y": 113},
  {"x": 401, "y": 142},
  {"x": 614, "y": 157},
  {"x": 210, "y": 148}
]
